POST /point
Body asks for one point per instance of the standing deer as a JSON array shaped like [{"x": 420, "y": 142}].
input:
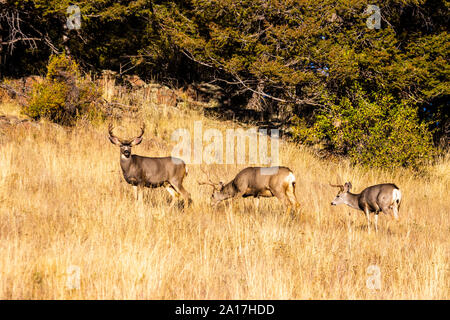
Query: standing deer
[
  {"x": 384, "y": 197},
  {"x": 258, "y": 182},
  {"x": 149, "y": 172}
]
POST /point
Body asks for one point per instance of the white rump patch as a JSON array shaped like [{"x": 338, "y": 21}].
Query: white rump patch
[
  {"x": 290, "y": 178},
  {"x": 396, "y": 195},
  {"x": 396, "y": 198}
]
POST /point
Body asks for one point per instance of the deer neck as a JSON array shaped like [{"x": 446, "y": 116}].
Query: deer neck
[
  {"x": 352, "y": 200},
  {"x": 230, "y": 189},
  {"x": 125, "y": 162}
]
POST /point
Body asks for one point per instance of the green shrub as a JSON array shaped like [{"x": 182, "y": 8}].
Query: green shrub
[
  {"x": 62, "y": 63},
  {"x": 64, "y": 96},
  {"x": 372, "y": 130},
  {"x": 48, "y": 101}
]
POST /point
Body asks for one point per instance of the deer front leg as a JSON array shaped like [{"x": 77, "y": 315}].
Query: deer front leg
[
  {"x": 139, "y": 194},
  {"x": 367, "y": 212},
  {"x": 230, "y": 205},
  {"x": 230, "y": 199},
  {"x": 257, "y": 204},
  {"x": 137, "y": 190},
  {"x": 376, "y": 222}
]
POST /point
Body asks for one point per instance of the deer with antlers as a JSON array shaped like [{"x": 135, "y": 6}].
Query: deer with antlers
[
  {"x": 257, "y": 182},
  {"x": 150, "y": 172},
  {"x": 384, "y": 198}
]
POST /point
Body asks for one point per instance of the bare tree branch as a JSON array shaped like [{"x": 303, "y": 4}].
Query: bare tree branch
[{"x": 15, "y": 33}]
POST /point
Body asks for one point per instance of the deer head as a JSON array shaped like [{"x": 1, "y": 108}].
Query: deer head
[
  {"x": 218, "y": 187},
  {"x": 342, "y": 195},
  {"x": 125, "y": 145}
]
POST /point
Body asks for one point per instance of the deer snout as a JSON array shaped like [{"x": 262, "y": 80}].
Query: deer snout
[
  {"x": 127, "y": 153},
  {"x": 333, "y": 204},
  {"x": 213, "y": 201}
]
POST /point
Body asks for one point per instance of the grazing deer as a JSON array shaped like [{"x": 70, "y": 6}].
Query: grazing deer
[
  {"x": 149, "y": 172},
  {"x": 258, "y": 182},
  {"x": 384, "y": 197}
]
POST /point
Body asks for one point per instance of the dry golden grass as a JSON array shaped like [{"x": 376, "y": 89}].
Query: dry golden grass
[{"x": 63, "y": 203}]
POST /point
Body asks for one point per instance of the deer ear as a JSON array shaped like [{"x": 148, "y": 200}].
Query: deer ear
[
  {"x": 136, "y": 141},
  {"x": 348, "y": 186},
  {"x": 221, "y": 185},
  {"x": 114, "y": 140}
]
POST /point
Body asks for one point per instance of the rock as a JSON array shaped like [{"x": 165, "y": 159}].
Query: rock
[{"x": 134, "y": 81}]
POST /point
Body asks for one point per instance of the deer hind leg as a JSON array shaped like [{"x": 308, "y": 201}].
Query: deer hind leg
[
  {"x": 290, "y": 192},
  {"x": 281, "y": 195},
  {"x": 391, "y": 210},
  {"x": 174, "y": 194},
  {"x": 178, "y": 187},
  {"x": 394, "y": 208},
  {"x": 395, "y": 211},
  {"x": 186, "y": 195}
]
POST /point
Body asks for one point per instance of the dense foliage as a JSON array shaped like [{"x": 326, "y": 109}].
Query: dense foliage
[
  {"x": 63, "y": 96},
  {"x": 373, "y": 129},
  {"x": 297, "y": 58}
]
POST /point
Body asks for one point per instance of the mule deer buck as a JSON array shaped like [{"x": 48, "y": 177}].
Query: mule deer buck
[
  {"x": 384, "y": 197},
  {"x": 149, "y": 172},
  {"x": 258, "y": 182}
]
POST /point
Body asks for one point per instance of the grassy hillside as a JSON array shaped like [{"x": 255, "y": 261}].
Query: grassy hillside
[{"x": 64, "y": 203}]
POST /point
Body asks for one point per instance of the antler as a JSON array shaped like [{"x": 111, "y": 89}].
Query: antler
[
  {"x": 110, "y": 130},
  {"x": 142, "y": 130},
  {"x": 111, "y": 134},
  {"x": 209, "y": 182},
  {"x": 340, "y": 186}
]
